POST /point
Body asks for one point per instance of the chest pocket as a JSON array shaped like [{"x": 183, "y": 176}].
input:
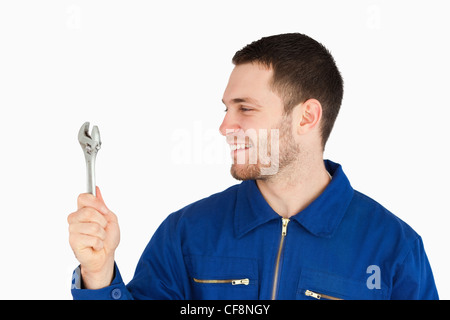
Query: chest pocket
[
  {"x": 317, "y": 285},
  {"x": 223, "y": 278}
]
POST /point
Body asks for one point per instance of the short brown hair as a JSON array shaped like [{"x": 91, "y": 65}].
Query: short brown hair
[{"x": 302, "y": 69}]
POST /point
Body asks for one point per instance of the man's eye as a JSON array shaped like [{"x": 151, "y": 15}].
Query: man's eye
[{"x": 241, "y": 108}]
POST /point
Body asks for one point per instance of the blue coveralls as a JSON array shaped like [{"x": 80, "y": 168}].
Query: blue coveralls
[{"x": 232, "y": 245}]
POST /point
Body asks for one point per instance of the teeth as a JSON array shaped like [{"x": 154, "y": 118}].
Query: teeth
[{"x": 240, "y": 146}]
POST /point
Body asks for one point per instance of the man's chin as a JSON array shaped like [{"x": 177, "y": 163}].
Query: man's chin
[{"x": 245, "y": 171}]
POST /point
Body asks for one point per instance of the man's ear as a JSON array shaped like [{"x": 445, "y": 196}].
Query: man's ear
[{"x": 310, "y": 113}]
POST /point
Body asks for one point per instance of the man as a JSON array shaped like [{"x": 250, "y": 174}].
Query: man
[{"x": 293, "y": 229}]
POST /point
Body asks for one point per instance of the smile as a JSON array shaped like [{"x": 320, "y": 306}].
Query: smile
[{"x": 234, "y": 147}]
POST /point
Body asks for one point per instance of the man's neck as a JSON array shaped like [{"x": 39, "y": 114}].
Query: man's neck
[{"x": 293, "y": 189}]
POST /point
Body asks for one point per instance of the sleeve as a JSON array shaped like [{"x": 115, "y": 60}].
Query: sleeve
[
  {"x": 115, "y": 291},
  {"x": 414, "y": 279},
  {"x": 160, "y": 273}
]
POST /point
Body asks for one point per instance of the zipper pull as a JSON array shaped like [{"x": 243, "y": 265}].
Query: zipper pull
[
  {"x": 310, "y": 293},
  {"x": 284, "y": 228},
  {"x": 240, "y": 281}
]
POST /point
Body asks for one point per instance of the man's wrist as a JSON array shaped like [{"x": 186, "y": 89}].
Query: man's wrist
[{"x": 97, "y": 280}]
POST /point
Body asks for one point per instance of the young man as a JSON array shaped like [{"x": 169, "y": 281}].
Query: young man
[{"x": 293, "y": 229}]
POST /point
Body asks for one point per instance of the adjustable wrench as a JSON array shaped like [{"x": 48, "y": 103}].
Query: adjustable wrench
[{"x": 90, "y": 143}]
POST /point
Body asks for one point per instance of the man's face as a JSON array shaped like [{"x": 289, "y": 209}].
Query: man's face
[{"x": 255, "y": 125}]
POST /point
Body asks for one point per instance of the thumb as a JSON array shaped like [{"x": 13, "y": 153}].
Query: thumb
[
  {"x": 99, "y": 194},
  {"x": 109, "y": 215},
  {"x": 104, "y": 210}
]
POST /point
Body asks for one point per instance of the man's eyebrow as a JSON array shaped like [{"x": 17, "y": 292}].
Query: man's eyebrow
[{"x": 241, "y": 100}]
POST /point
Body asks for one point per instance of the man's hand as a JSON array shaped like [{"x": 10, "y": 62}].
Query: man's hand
[{"x": 94, "y": 236}]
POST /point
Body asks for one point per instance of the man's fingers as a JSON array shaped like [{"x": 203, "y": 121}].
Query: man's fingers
[
  {"x": 80, "y": 242},
  {"x": 88, "y": 200},
  {"x": 86, "y": 215},
  {"x": 90, "y": 229}
]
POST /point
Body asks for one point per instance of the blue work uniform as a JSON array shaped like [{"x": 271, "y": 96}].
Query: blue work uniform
[{"x": 233, "y": 245}]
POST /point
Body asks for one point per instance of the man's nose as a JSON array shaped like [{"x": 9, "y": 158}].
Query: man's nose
[{"x": 229, "y": 125}]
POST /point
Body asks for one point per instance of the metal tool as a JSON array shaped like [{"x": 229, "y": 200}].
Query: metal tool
[{"x": 90, "y": 143}]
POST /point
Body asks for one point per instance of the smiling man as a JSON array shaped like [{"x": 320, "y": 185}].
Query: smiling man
[{"x": 293, "y": 229}]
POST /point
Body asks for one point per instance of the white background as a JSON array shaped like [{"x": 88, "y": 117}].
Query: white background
[{"x": 151, "y": 75}]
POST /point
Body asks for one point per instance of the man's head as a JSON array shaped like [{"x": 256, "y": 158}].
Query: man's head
[
  {"x": 302, "y": 69},
  {"x": 289, "y": 82}
]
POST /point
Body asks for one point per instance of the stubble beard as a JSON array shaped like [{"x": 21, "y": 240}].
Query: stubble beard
[{"x": 284, "y": 157}]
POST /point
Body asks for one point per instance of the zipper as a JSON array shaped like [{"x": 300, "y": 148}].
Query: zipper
[
  {"x": 318, "y": 296},
  {"x": 232, "y": 281},
  {"x": 285, "y": 222}
]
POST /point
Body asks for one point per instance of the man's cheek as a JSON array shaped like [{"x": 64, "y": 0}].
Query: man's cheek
[{"x": 269, "y": 153}]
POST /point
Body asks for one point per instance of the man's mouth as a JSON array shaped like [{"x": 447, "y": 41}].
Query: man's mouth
[{"x": 240, "y": 146}]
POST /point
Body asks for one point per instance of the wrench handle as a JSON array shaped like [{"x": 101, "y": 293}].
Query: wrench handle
[{"x": 90, "y": 175}]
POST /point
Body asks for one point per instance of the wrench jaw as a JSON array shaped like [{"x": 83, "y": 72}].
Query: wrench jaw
[
  {"x": 90, "y": 145},
  {"x": 95, "y": 134}
]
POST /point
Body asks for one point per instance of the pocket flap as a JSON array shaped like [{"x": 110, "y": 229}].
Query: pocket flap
[
  {"x": 335, "y": 286},
  {"x": 221, "y": 268},
  {"x": 222, "y": 277}
]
